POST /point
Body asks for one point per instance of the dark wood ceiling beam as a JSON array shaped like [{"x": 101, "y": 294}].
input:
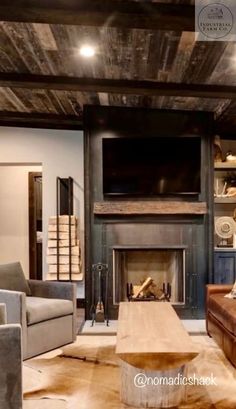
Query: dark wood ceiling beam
[
  {"x": 38, "y": 120},
  {"x": 149, "y": 88},
  {"x": 72, "y": 122},
  {"x": 110, "y": 13}
]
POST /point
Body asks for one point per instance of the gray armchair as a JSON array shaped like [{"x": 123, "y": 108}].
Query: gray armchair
[
  {"x": 10, "y": 363},
  {"x": 46, "y": 310}
]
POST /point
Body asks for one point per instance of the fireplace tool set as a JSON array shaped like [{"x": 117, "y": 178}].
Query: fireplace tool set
[
  {"x": 143, "y": 293},
  {"x": 99, "y": 307}
]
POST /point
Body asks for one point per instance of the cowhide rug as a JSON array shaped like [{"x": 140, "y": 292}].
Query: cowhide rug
[{"x": 85, "y": 375}]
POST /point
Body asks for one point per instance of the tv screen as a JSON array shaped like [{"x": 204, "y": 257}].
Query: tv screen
[{"x": 151, "y": 166}]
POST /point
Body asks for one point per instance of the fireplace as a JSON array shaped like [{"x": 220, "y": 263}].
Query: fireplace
[
  {"x": 167, "y": 235},
  {"x": 134, "y": 264}
]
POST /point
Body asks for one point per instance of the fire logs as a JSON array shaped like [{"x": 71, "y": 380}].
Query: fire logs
[{"x": 148, "y": 290}]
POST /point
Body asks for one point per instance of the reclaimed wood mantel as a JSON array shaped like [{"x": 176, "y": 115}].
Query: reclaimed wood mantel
[{"x": 149, "y": 208}]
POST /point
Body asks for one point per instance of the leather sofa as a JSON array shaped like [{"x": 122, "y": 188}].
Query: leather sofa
[{"x": 221, "y": 318}]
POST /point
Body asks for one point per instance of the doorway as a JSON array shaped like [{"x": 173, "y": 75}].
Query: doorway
[{"x": 35, "y": 225}]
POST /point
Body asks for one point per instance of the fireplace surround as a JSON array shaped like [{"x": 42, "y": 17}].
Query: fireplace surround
[{"x": 129, "y": 226}]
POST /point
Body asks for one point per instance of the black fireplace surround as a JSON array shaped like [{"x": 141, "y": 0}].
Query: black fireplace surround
[{"x": 160, "y": 221}]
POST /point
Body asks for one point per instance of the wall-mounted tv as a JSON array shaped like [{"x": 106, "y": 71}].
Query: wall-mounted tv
[{"x": 151, "y": 166}]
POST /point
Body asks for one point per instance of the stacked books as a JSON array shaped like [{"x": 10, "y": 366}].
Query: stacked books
[{"x": 62, "y": 246}]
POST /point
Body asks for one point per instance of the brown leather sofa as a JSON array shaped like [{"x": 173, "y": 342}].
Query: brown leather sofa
[{"x": 221, "y": 318}]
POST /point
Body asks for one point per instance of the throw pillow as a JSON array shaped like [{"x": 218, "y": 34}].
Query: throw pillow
[{"x": 12, "y": 278}]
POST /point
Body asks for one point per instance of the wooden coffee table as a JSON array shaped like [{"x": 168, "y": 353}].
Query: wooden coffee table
[{"x": 152, "y": 343}]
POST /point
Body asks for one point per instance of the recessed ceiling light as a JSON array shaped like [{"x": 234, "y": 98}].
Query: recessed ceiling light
[{"x": 87, "y": 51}]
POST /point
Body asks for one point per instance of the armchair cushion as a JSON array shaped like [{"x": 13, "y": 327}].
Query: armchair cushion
[
  {"x": 12, "y": 278},
  {"x": 40, "y": 309}
]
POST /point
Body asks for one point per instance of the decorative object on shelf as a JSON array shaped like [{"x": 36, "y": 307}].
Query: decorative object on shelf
[
  {"x": 231, "y": 192},
  {"x": 230, "y": 157},
  {"x": 234, "y": 215},
  {"x": 226, "y": 186},
  {"x": 220, "y": 192},
  {"x": 218, "y": 157},
  {"x": 99, "y": 307},
  {"x": 225, "y": 228},
  {"x": 63, "y": 252}
]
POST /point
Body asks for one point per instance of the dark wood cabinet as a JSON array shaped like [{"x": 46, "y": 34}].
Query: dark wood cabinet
[{"x": 225, "y": 266}]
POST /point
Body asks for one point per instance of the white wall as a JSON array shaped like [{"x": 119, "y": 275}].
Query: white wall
[
  {"x": 14, "y": 214},
  {"x": 61, "y": 154}
]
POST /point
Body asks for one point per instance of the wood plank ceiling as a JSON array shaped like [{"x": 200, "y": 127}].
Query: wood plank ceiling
[{"x": 130, "y": 54}]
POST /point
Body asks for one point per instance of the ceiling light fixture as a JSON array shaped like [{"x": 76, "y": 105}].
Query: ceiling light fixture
[{"x": 87, "y": 51}]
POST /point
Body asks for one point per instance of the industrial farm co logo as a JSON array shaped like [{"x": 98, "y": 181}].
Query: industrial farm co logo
[{"x": 214, "y": 21}]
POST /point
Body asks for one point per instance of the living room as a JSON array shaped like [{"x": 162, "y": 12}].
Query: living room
[{"x": 123, "y": 261}]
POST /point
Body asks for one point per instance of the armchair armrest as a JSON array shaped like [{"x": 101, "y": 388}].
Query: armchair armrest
[
  {"x": 16, "y": 310},
  {"x": 15, "y": 306},
  {"x": 53, "y": 289},
  {"x": 217, "y": 288},
  {"x": 11, "y": 366}
]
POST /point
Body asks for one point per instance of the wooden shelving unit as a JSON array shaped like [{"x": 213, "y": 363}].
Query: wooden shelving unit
[{"x": 224, "y": 257}]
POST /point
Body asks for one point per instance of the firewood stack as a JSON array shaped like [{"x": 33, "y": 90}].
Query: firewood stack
[
  {"x": 61, "y": 241},
  {"x": 148, "y": 290}
]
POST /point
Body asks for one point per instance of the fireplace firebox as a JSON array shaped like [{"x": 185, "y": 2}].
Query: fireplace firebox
[{"x": 164, "y": 266}]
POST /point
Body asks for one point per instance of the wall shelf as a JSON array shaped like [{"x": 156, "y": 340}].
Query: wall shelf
[
  {"x": 225, "y": 249},
  {"x": 225, "y": 200},
  {"x": 224, "y": 165},
  {"x": 149, "y": 208}
]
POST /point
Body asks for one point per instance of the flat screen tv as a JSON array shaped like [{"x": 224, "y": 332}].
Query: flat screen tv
[{"x": 151, "y": 166}]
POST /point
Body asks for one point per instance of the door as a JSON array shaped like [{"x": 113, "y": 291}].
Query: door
[{"x": 35, "y": 225}]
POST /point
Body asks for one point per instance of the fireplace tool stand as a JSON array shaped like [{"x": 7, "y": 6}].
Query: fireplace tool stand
[{"x": 99, "y": 307}]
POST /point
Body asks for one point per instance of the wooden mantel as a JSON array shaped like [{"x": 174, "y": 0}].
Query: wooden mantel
[{"x": 149, "y": 208}]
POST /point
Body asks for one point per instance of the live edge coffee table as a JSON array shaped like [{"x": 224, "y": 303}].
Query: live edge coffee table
[{"x": 153, "y": 347}]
